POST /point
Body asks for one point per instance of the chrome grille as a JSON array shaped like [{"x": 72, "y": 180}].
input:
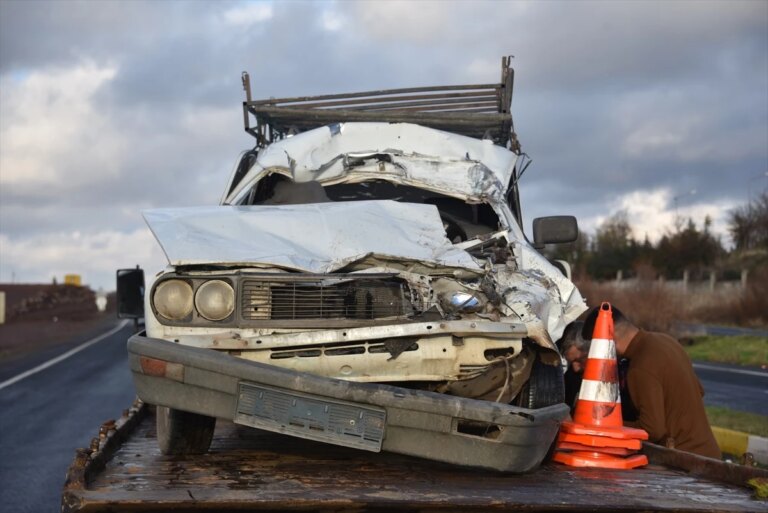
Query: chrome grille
[
  {"x": 324, "y": 298},
  {"x": 336, "y": 350}
]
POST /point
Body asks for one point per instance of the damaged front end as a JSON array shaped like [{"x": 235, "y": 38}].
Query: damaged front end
[
  {"x": 383, "y": 299},
  {"x": 412, "y": 329},
  {"x": 397, "y": 302}
]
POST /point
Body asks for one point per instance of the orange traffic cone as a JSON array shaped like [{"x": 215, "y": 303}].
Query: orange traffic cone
[
  {"x": 597, "y": 422},
  {"x": 599, "y": 441},
  {"x": 616, "y": 451},
  {"x": 600, "y": 460}
]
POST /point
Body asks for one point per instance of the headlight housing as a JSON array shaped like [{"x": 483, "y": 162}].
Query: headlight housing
[
  {"x": 173, "y": 299},
  {"x": 462, "y": 302},
  {"x": 215, "y": 300}
]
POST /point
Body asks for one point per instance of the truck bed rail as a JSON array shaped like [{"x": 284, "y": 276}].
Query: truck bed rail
[
  {"x": 260, "y": 471},
  {"x": 475, "y": 110}
]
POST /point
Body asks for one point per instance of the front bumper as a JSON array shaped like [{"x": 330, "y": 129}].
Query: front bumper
[{"x": 413, "y": 422}]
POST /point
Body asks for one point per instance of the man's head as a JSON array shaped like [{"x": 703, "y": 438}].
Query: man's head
[
  {"x": 574, "y": 347},
  {"x": 624, "y": 330}
]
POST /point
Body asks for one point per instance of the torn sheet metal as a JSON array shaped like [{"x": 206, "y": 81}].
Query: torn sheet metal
[
  {"x": 411, "y": 154},
  {"x": 558, "y": 301},
  {"x": 533, "y": 298},
  {"x": 317, "y": 238}
]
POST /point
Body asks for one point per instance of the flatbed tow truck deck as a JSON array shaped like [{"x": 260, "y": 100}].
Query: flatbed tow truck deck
[{"x": 254, "y": 470}]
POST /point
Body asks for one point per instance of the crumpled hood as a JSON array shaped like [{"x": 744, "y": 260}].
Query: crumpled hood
[
  {"x": 455, "y": 165},
  {"x": 317, "y": 238}
]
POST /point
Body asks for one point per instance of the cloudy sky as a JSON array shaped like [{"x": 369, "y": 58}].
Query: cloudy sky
[{"x": 107, "y": 108}]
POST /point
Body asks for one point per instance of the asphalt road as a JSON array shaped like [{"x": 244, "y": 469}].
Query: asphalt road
[
  {"x": 45, "y": 416},
  {"x": 731, "y": 386},
  {"x": 709, "y": 329}
]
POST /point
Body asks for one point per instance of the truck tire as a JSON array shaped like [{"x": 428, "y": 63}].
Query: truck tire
[
  {"x": 180, "y": 432},
  {"x": 545, "y": 387}
]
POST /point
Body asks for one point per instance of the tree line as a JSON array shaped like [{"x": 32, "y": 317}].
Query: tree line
[{"x": 688, "y": 246}]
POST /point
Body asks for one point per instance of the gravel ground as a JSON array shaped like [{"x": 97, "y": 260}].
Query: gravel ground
[
  {"x": 61, "y": 316},
  {"x": 19, "y": 339}
]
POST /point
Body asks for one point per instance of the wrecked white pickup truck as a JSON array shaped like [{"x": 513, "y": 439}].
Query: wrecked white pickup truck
[{"x": 365, "y": 282}]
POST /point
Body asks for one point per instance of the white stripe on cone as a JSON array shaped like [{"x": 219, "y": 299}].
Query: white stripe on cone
[
  {"x": 601, "y": 348},
  {"x": 599, "y": 391}
]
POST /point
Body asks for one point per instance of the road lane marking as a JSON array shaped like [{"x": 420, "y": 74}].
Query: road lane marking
[
  {"x": 734, "y": 371},
  {"x": 62, "y": 357}
]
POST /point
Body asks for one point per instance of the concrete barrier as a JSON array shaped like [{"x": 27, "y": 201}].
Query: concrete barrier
[{"x": 739, "y": 443}]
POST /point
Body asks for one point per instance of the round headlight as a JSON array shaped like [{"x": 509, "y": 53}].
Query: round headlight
[
  {"x": 173, "y": 299},
  {"x": 462, "y": 302},
  {"x": 215, "y": 300}
]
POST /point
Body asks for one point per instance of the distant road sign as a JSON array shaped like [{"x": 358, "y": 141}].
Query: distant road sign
[{"x": 72, "y": 279}]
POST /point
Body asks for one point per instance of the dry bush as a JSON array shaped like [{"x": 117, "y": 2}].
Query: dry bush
[
  {"x": 42, "y": 302},
  {"x": 644, "y": 271},
  {"x": 749, "y": 308},
  {"x": 654, "y": 305},
  {"x": 649, "y": 304}
]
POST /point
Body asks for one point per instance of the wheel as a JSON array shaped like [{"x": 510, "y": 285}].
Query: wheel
[
  {"x": 180, "y": 432},
  {"x": 545, "y": 387}
]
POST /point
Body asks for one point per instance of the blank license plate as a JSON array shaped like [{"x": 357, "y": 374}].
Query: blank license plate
[{"x": 309, "y": 416}]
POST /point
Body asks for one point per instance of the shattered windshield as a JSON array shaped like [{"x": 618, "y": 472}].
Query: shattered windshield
[{"x": 462, "y": 221}]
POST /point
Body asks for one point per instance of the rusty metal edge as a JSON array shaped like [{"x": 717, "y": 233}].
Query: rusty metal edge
[
  {"x": 700, "y": 466},
  {"x": 89, "y": 461}
]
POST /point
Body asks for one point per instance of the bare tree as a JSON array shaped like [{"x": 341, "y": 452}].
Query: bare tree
[
  {"x": 748, "y": 224},
  {"x": 614, "y": 248}
]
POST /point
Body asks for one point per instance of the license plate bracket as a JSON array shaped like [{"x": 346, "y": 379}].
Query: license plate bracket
[{"x": 309, "y": 416}]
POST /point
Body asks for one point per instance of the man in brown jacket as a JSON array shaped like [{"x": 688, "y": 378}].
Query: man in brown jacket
[{"x": 663, "y": 386}]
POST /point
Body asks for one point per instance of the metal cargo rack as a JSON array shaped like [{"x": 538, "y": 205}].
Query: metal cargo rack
[{"x": 475, "y": 110}]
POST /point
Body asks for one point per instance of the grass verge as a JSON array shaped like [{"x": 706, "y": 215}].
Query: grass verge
[
  {"x": 751, "y": 423},
  {"x": 740, "y": 350}
]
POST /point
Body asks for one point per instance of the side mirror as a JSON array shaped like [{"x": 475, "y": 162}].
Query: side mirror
[
  {"x": 130, "y": 293},
  {"x": 554, "y": 230}
]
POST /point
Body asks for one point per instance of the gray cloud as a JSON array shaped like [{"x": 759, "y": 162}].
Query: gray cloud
[
  {"x": 42, "y": 33},
  {"x": 610, "y": 99}
]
